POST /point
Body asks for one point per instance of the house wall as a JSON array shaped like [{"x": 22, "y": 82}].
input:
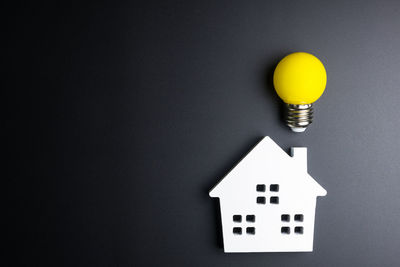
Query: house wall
[{"x": 268, "y": 224}]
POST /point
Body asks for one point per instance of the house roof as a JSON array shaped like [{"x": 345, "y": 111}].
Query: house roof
[{"x": 267, "y": 154}]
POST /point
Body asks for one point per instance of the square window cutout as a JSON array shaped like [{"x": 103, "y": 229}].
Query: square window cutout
[
  {"x": 299, "y": 217},
  {"x": 274, "y": 200},
  {"x": 261, "y": 200},
  {"x": 299, "y": 230},
  {"x": 251, "y": 230},
  {"x": 251, "y": 218},
  {"x": 285, "y": 218},
  {"x": 285, "y": 230},
  {"x": 274, "y": 188},
  {"x": 237, "y": 218},
  {"x": 237, "y": 230},
  {"x": 260, "y": 188}
]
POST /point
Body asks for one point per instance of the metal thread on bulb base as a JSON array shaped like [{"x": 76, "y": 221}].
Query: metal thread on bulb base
[{"x": 298, "y": 117}]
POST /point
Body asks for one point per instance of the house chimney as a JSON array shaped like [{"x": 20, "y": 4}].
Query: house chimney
[{"x": 300, "y": 155}]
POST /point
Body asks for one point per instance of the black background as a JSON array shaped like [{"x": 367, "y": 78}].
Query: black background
[{"x": 122, "y": 116}]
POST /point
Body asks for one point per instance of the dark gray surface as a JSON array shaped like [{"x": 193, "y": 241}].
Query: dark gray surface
[{"x": 123, "y": 116}]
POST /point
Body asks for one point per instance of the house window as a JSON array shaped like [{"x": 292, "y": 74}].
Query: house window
[
  {"x": 297, "y": 226},
  {"x": 299, "y": 217},
  {"x": 263, "y": 195},
  {"x": 274, "y": 188},
  {"x": 251, "y": 230},
  {"x": 237, "y": 230},
  {"x": 274, "y": 200},
  {"x": 261, "y": 200},
  {"x": 285, "y": 218},
  {"x": 237, "y": 218},
  {"x": 250, "y": 218},
  {"x": 299, "y": 230},
  {"x": 241, "y": 226},
  {"x": 260, "y": 188}
]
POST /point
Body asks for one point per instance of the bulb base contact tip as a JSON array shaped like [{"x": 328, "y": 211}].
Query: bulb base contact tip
[{"x": 298, "y": 117}]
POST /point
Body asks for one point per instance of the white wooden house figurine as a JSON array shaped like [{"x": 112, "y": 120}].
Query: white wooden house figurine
[{"x": 268, "y": 201}]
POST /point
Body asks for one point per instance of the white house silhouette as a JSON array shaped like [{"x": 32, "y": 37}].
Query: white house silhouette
[{"x": 268, "y": 201}]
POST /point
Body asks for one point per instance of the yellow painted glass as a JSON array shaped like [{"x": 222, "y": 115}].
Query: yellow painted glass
[{"x": 300, "y": 78}]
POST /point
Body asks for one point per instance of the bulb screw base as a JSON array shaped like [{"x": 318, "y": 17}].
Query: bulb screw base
[{"x": 298, "y": 117}]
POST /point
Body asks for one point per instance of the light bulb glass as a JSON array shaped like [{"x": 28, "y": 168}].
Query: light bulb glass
[{"x": 300, "y": 78}]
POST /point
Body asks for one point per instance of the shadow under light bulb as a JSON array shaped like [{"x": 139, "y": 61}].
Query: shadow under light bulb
[{"x": 299, "y": 80}]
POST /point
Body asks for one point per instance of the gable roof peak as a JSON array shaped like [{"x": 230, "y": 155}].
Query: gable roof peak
[{"x": 264, "y": 150}]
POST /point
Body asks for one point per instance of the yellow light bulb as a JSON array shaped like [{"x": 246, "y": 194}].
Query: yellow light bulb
[{"x": 299, "y": 80}]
